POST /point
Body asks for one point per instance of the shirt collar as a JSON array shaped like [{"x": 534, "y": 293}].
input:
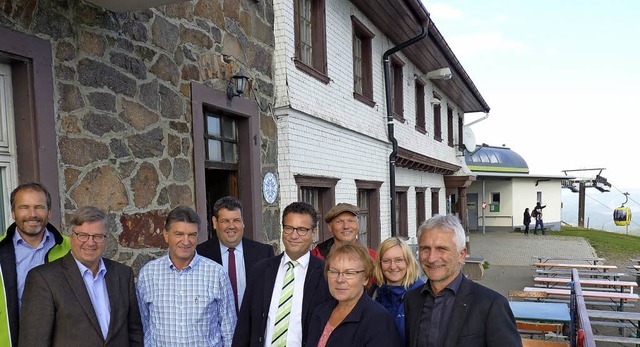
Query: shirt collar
[
  {"x": 191, "y": 265},
  {"x": 83, "y": 269},
  {"x": 302, "y": 261},
  {"x": 454, "y": 286},
  {"x": 18, "y": 240},
  {"x": 225, "y": 249}
]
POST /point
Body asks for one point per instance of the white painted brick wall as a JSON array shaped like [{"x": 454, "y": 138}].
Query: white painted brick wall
[{"x": 324, "y": 131}]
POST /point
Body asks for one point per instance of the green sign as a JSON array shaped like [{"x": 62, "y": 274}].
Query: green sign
[{"x": 494, "y": 208}]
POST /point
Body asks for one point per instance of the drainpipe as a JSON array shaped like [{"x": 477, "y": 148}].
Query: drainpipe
[{"x": 392, "y": 139}]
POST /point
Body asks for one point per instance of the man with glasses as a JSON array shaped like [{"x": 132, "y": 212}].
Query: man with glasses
[
  {"x": 81, "y": 299},
  {"x": 229, "y": 248},
  {"x": 342, "y": 220},
  {"x": 283, "y": 291},
  {"x": 185, "y": 299},
  {"x": 29, "y": 242}
]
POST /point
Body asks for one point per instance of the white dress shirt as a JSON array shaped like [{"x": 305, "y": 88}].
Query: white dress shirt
[{"x": 294, "y": 332}]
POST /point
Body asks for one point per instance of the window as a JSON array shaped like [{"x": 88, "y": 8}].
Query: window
[
  {"x": 368, "y": 201},
  {"x": 222, "y": 138},
  {"x": 310, "y": 38},
  {"x": 450, "y": 126},
  {"x": 420, "y": 206},
  {"x": 435, "y": 201},
  {"x": 539, "y": 197},
  {"x": 495, "y": 198},
  {"x": 437, "y": 121},
  {"x": 401, "y": 212},
  {"x": 320, "y": 193},
  {"x": 420, "y": 126},
  {"x": 362, "y": 66},
  {"x": 396, "y": 88},
  {"x": 461, "y": 133}
]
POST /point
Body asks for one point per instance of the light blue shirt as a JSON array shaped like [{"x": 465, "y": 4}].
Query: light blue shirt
[
  {"x": 28, "y": 257},
  {"x": 241, "y": 273},
  {"x": 97, "y": 288},
  {"x": 189, "y": 307}
]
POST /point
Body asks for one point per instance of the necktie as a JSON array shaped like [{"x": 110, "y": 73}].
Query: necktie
[
  {"x": 284, "y": 308},
  {"x": 232, "y": 276}
]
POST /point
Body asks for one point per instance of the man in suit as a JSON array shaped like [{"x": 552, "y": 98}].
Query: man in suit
[
  {"x": 451, "y": 310},
  {"x": 307, "y": 288},
  {"x": 230, "y": 243},
  {"x": 29, "y": 242},
  {"x": 81, "y": 299}
]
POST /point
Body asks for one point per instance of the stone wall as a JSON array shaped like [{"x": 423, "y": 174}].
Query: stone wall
[{"x": 123, "y": 106}]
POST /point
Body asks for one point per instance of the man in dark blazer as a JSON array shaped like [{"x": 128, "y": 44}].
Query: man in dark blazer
[
  {"x": 466, "y": 313},
  {"x": 58, "y": 309},
  {"x": 256, "y": 320},
  {"x": 229, "y": 226}
]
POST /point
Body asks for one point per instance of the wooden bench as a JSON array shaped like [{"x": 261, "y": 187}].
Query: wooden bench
[
  {"x": 539, "y": 329},
  {"x": 622, "y": 297},
  {"x": 540, "y": 296},
  {"x": 549, "y": 281},
  {"x": 585, "y": 273},
  {"x": 542, "y": 343},
  {"x": 617, "y": 339}
]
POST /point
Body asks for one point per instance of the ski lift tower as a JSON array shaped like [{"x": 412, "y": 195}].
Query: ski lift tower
[{"x": 579, "y": 185}]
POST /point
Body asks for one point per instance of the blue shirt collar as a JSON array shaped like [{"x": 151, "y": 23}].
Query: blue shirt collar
[
  {"x": 18, "y": 240},
  {"x": 102, "y": 270}
]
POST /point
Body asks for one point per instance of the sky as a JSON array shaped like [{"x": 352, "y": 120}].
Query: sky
[{"x": 561, "y": 77}]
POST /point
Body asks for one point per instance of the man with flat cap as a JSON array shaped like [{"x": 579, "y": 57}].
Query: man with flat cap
[{"x": 342, "y": 220}]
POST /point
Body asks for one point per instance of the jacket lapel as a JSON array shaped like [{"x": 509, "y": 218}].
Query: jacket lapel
[
  {"x": 314, "y": 273},
  {"x": 113, "y": 285},
  {"x": 73, "y": 277},
  {"x": 459, "y": 314},
  {"x": 270, "y": 273}
]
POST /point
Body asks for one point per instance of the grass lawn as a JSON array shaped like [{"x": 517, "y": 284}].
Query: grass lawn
[{"x": 613, "y": 246}]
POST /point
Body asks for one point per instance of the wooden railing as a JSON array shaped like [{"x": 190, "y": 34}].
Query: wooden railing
[{"x": 581, "y": 335}]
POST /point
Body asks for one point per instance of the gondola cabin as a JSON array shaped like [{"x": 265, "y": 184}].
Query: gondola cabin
[{"x": 622, "y": 216}]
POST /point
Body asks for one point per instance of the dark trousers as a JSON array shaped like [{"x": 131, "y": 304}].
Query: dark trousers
[{"x": 526, "y": 229}]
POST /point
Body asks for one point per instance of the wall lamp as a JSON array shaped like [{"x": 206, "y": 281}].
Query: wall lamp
[
  {"x": 237, "y": 85},
  {"x": 440, "y": 74}
]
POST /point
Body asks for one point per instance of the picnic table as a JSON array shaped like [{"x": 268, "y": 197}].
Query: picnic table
[
  {"x": 540, "y": 311},
  {"x": 621, "y": 285},
  {"x": 544, "y": 259},
  {"x": 617, "y": 317},
  {"x": 622, "y": 297},
  {"x": 602, "y": 268}
]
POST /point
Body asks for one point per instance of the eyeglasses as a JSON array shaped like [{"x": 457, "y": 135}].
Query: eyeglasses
[
  {"x": 302, "y": 231},
  {"x": 97, "y": 238},
  {"x": 397, "y": 261},
  {"x": 348, "y": 275}
]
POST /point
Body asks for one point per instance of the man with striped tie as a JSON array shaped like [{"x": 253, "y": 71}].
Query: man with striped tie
[{"x": 283, "y": 291}]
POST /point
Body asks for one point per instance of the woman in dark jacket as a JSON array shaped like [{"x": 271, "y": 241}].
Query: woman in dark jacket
[
  {"x": 526, "y": 221},
  {"x": 351, "y": 318},
  {"x": 397, "y": 270}
]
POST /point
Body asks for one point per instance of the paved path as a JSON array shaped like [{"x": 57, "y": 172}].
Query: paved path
[{"x": 515, "y": 249}]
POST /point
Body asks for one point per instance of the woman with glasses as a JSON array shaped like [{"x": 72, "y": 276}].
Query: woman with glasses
[
  {"x": 351, "y": 318},
  {"x": 396, "y": 271}
]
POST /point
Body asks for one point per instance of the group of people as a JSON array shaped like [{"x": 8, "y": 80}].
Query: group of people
[
  {"x": 536, "y": 214},
  {"x": 59, "y": 290}
]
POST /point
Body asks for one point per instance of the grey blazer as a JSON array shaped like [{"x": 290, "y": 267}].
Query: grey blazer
[{"x": 57, "y": 310}]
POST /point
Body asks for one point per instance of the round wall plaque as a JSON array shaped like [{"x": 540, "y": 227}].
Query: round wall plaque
[{"x": 270, "y": 187}]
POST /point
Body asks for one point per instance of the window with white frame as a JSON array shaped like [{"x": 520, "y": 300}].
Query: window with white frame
[{"x": 8, "y": 164}]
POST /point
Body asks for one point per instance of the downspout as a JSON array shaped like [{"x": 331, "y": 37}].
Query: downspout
[{"x": 392, "y": 139}]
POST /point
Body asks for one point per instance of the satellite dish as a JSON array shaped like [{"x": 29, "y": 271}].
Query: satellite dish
[{"x": 468, "y": 139}]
